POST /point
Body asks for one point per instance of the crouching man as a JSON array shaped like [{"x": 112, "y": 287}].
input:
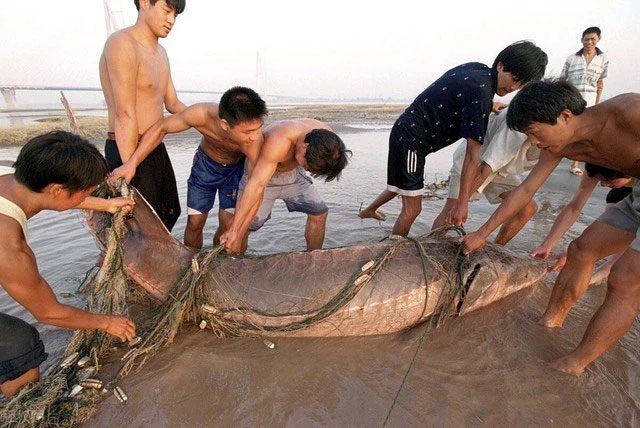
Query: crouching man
[
  {"x": 56, "y": 171},
  {"x": 553, "y": 115},
  {"x": 290, "y": 149}
]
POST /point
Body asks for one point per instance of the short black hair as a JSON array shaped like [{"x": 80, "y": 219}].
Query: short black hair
[
  {"x": 589, "y": 30},
  {"x": 604, "y": 172},
  {"x": 326, "y": 154},
  {"x": 177, "y": 5},
  {"x": 240, "y": 104},
  {"x": 524, "y": 60},
  {"x": 60, "y": 157},
  {"x": 543, "y": 102}
]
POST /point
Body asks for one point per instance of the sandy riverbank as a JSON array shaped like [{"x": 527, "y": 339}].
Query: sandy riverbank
[{"x": 94, "y": 128}]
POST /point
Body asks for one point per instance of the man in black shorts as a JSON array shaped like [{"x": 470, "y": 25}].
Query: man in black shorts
[{"x": 455, "y": 106}]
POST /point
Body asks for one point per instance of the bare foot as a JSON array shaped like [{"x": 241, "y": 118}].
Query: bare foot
[
  {"x": 576, "y": 171},
  {"x": 372, "y": 214},
  {"x": 549, "y": 322},
  {"x": 567, "y": 365}
]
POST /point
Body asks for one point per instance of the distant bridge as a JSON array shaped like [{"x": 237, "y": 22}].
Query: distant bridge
[{"x": 11, "y": 101}]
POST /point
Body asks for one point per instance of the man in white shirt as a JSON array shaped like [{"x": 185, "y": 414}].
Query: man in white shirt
[
  {"x": 505, "y": 156},
  {"x": 586, "y": 70}
]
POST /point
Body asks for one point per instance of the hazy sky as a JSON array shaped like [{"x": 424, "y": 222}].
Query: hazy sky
[{"x": 331, "y": 48}]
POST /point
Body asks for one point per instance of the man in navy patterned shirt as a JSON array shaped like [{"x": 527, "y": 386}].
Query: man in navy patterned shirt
[{"x": 455, "y": 106}]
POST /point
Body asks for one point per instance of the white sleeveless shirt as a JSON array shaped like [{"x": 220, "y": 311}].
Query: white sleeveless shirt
[{"x": 10, "y": 209}]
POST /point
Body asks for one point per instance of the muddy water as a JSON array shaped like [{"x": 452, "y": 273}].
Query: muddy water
[{"x": 481, "y": 369}]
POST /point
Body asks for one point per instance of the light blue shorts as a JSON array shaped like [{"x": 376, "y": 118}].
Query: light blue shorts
[{"x": 295, "y": 188}]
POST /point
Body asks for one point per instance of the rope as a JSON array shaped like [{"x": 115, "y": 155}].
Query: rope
[{"x": 435, "y": 317}]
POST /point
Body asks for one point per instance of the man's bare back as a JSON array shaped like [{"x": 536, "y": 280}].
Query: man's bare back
[
  {"x": 613, "y": 135},
  {"x": 288, "y": 132}
]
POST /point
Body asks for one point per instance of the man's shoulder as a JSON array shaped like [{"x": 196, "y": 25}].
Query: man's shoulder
[
  {"x": 207, "y": 109},
  {"x": 281, "y": 129},
  {"x": 121, "y": 37},
  {"x": 121, "y": 42},
  {"x": 623, "y": 106},
  {"x": 464, "y": 73}
]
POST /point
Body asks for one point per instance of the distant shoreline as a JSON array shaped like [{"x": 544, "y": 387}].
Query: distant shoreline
[{"x": 340, "y": 116}]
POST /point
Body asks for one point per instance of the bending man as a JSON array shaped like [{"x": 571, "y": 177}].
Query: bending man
[
  {"x": 290, "y": 149},
  {"x": 56, "y": 171},
  {"x": 455, "y": 106},
  {"x": 554, "y": 117},
  {"x": 230, "y": 131}
]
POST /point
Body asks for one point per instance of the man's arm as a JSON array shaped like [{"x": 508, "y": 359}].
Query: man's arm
[
  {"x": 194, "y": 116},
  {"x": 273, "y": 151},
  {"x": 485, "y": 172},
  {"x": 567, "y": 217},
  {"x": 564, "y": 74},
  {"x": 108, "y": 205},
  {"x": 171, "y": 101},
  {"x": 122, "y": 66},
  {"x": 599, "y": 89},
  {"x": 470, "y": 170},
  {"x": 29, "y": 289},
  {"x": 516, "y": 200}
]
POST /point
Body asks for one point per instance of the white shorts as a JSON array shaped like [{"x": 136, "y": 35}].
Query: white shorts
[{"x": 492, "y": 190}]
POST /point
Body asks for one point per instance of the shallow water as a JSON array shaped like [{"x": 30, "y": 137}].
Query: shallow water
[{"x": 482, "y": 369}]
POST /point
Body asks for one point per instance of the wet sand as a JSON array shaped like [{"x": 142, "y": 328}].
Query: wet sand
[{"x": 483, "y": 369}]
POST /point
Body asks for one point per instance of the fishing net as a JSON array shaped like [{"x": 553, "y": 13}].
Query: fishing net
[{"x": 376, "y": 288}]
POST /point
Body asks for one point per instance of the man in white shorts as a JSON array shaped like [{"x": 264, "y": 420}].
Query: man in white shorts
[{"x": 505, "y": 156}]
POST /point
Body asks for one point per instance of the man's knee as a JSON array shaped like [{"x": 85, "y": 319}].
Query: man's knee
[
  {"x": 26, "y": 352},
  {"x": 318, "y": 219},
  {"x": 412, "y": 205},
  {"x": 582, "y": 248},
  {"x": 195, "y": 223},
  {"x": 624, "y": 279}
]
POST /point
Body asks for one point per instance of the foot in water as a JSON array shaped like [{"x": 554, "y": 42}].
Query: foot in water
[
  {"x": 372, "y": 214},
  {"x": 567, "y": 365},
  {"x": 550, "y": 322}
]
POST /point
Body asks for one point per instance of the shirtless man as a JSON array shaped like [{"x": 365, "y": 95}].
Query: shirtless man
[
  {"x": 230, "y": 131},
  {"x": 56, "y": 171},
  {"x": 137, "y": 86},
  {"x": 290, "y": 148},
  {"x": 554, "y": 117}
]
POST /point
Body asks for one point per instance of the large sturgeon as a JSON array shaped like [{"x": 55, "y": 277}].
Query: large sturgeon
[{"x": 284, "y": 289}]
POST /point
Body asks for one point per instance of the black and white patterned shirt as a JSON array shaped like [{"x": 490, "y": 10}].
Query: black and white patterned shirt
[{"x": 455, "y": 106}]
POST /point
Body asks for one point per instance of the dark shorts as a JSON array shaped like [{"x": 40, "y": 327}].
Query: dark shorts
[
  {"x": 209, "y": 177},
  {"x": 20, "y": 348},
  {"x": 405, "y": 165},
  {"x": 616, "y": 195},
  {"x": 154, "y": 180}
]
